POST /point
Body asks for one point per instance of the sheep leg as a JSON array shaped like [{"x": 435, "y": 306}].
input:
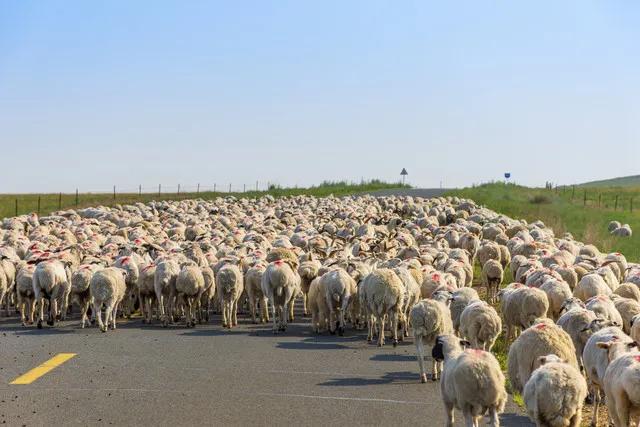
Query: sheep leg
[
  {"x": 234, "y": 313},
  {"x": 494, "y": 420},
  {"x": 53, "y": 311},
  {"x": 3, "y": 292},
  {"x": 596, "y": 407},
  {"x": 370, "y": 325},
  {"x": 621, "y": 412},
  {"x": 65, "y": 305},
  {"x": 420, "y": 357},
  {"x": 448, "y": 410},
  {"x": 394, "y": 327},
  {"x": 84, "y": 307},
  {"x": 290, "y": 305},
  {"x": 381, "y": 331},
  {"x": 305, "y": 307},
  {"x": 253, "y": 302},
  {"x": 114, "y": 313},
  {"x": 576, "y": 420},
  {"x": 469, "y": 419},
  {"x": 97, "y": 310},
  {"x": 32, "y": 310}
]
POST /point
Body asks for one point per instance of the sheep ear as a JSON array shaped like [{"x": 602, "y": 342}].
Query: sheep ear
[
  {"x": 465, "y": 343},
  {"x": 542, "y": 360},
  {"x": 632, "y": 344},
  {"x": 603, "y": 345}
]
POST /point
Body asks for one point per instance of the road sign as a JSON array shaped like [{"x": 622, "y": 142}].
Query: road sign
[
  {"x": 507, "y": 175},
  {"x": 404, "y": 173}
]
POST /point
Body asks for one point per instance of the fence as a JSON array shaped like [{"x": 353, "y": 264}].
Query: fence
[{"x": 602, "y": 198}]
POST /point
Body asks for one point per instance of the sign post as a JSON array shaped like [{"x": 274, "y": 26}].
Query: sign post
[
  {"x": 404, "y": 174},
  {"x": 507, "y": 175}
]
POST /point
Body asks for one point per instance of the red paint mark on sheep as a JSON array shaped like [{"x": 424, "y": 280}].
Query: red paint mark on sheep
[
  {"x": 636, "y": 358},
  {"x": 540, "y": 326}
]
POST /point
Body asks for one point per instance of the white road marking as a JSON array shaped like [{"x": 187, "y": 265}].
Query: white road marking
[{"x": 356, "y": 399}]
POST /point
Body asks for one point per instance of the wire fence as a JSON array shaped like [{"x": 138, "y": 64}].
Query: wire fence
[{"x": 598, "y": 198}]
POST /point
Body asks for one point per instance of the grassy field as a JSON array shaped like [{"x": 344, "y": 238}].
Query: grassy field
[
  {"x": 47, "y": 203},
  {"x": 565, "y": 210},
  {"x": 623, "y": 181}
]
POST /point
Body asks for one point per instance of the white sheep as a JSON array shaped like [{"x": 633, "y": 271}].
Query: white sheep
[
  {"x": 471, "y": 382},
  {"x": 541, "y": 339},
  {"x": 189, "y": 288},
  {"x": 480, "y": 324},
  {"x": 429, "y": 319},
  {"x": 51, "y": 282},
  {"x": 80, "y": 292},
  {"x": 253, "y": 288},
  {"x": 280, "y": 285},
  {"x": 338, "y": 288},
  {"x": 229, "y": 287},
  {"x": 521, "y": 307},
  {"x": 577, "y": 323},
  {"x": 382, "y": 295},
  {"x": 107, "y": 288},
  {"x": 557, "y": 292},
  {"x": 591, "y": 285},
  {"x": 622, "y": 381},
  {"x": 492, "y": 275},
  {"x": 604, "y": 308},
  {"x": 596, "y": 362},
  {"x": 26, "y": 296},
  {"x": 460, "y": 299},
  {"x": 628, "y": 309},
  {"x": 146, "y": 291},
  {"x": 555, "y": 393},
  {"x": 164, "y": 284}
]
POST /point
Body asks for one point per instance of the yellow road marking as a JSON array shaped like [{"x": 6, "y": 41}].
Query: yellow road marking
[{"x": 39, "y": 371}]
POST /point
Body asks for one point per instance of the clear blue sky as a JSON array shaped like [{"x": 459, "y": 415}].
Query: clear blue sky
[{"x": 139, "y": 92}]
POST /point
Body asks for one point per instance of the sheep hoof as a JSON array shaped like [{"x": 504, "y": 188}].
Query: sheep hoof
[
  {"x": 341, "y": 331},
  {"x": 39, "y": 324},
  {"x": 50, "y": 322},
  {"x": 332, "y": 332},
  {"x": 395, "y": 343},
  {"x": 423, "y": 378},
  {"x": 589, "y": 399}
]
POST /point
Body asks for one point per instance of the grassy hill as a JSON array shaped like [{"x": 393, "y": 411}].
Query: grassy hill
[
  {"x": 624, "y": 181},
  {"x": 48, "y": 203},
  {"x": 583, "y": 212}
]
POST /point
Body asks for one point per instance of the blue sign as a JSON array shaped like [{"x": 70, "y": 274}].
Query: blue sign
[{"x": 507, "y": 175}]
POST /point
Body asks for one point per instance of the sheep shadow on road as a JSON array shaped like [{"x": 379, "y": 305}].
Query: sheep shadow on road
[
  {"x": 382, "y": 357},
  {"x": 403, "y": 377},
  {"x": 300, "y": 345}
]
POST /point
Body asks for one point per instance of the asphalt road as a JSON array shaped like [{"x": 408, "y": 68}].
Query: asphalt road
[{"x": 148, "y": 375}]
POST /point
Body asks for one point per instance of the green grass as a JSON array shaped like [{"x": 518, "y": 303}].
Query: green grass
[
  {"x": 624, "y": 181},
  {"x": 28, "y": 203},
  {"x": 565, "y": 210}
]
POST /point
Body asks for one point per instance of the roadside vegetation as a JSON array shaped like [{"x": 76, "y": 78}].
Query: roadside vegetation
[{"x": 566, "y": 210}]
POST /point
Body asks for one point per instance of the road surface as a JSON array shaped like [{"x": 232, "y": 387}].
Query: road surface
[{"x": 148, "y": 375}]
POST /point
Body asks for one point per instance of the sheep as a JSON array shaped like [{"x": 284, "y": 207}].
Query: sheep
[
  {"x": 129, "y": 264},
  {"x": 189, "y": 289},
  {"x": 557, "y": 293},
  {"x": 411, "y": 296},
  {"x": 146, "y": 291},
  {"x": 577, "y": 323},
  {"x": 280, "y": 284},
  {"x": 635, "y": 328},
  {"x": 596, "y": 361},
  {"x": 604, "y": 308},
  {"x": 80, "y": 292},
  {"x": 308, "y": 270},
  {"x": 229, "y": 287},
  {"x": 623, "y": 231},
  {"x": 51, "y": 282},
  {"x": 521, "y": 307},
  {"x": 108, "y": 288},
  {"x": 613, "y": 225},
  {"x": 209, "y": 293},
  {"x": 4, "y": 289},
  {"x": 628, "y": 309},
  {"x": 318, "y": 306},
  {"x": 492, "y": 275},
  {"x": 460, "y": 298},
  {"x": 253, "y": 288},
  {"x": 628, "y": 290},
  {"x": 164, "y": 284},
  {"x": 591, "y": 285},
  {"x": 429, "y": 319},
  {"x": 26, "y": 297},
  {"x": 382, "y": 295},
  {"x": 555, "y": 393},
  {"x": 480, "y": 324},
  {"x": 338, "y": 288},
  {"x": 471, "y": 382},
  {"x": 622, "y": 381},
  {"x": 488, "y": 251},
  {"x": 541, "y": 339}
]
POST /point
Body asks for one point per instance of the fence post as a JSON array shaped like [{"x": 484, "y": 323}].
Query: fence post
[
  {"x": 585, "y": 197},
  {"x": 615, "y": 206},
  {"x": 599, "y": 199},
  {"x": 140, "y": 190},
  {"x": 198, "y": 191},
  {"x": 244, "y": 188},
  {"x": 159, "y": 189},
  {"x": 229, "y": 187},
  {"x": 256, "y": 186},
  {"x": 178, "y": 189},
  {"x": 214, "y": 187},
  {"x": 114, "y": 192},
  {"x": 631, "y": 205},
  {"x": 60, "y": 201},
  {"x": 573, "y": 193},
  {"x": 77, "y": 198},
  {"x": 38, "y": 205},
  {"x": 16, "y": 206}
]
